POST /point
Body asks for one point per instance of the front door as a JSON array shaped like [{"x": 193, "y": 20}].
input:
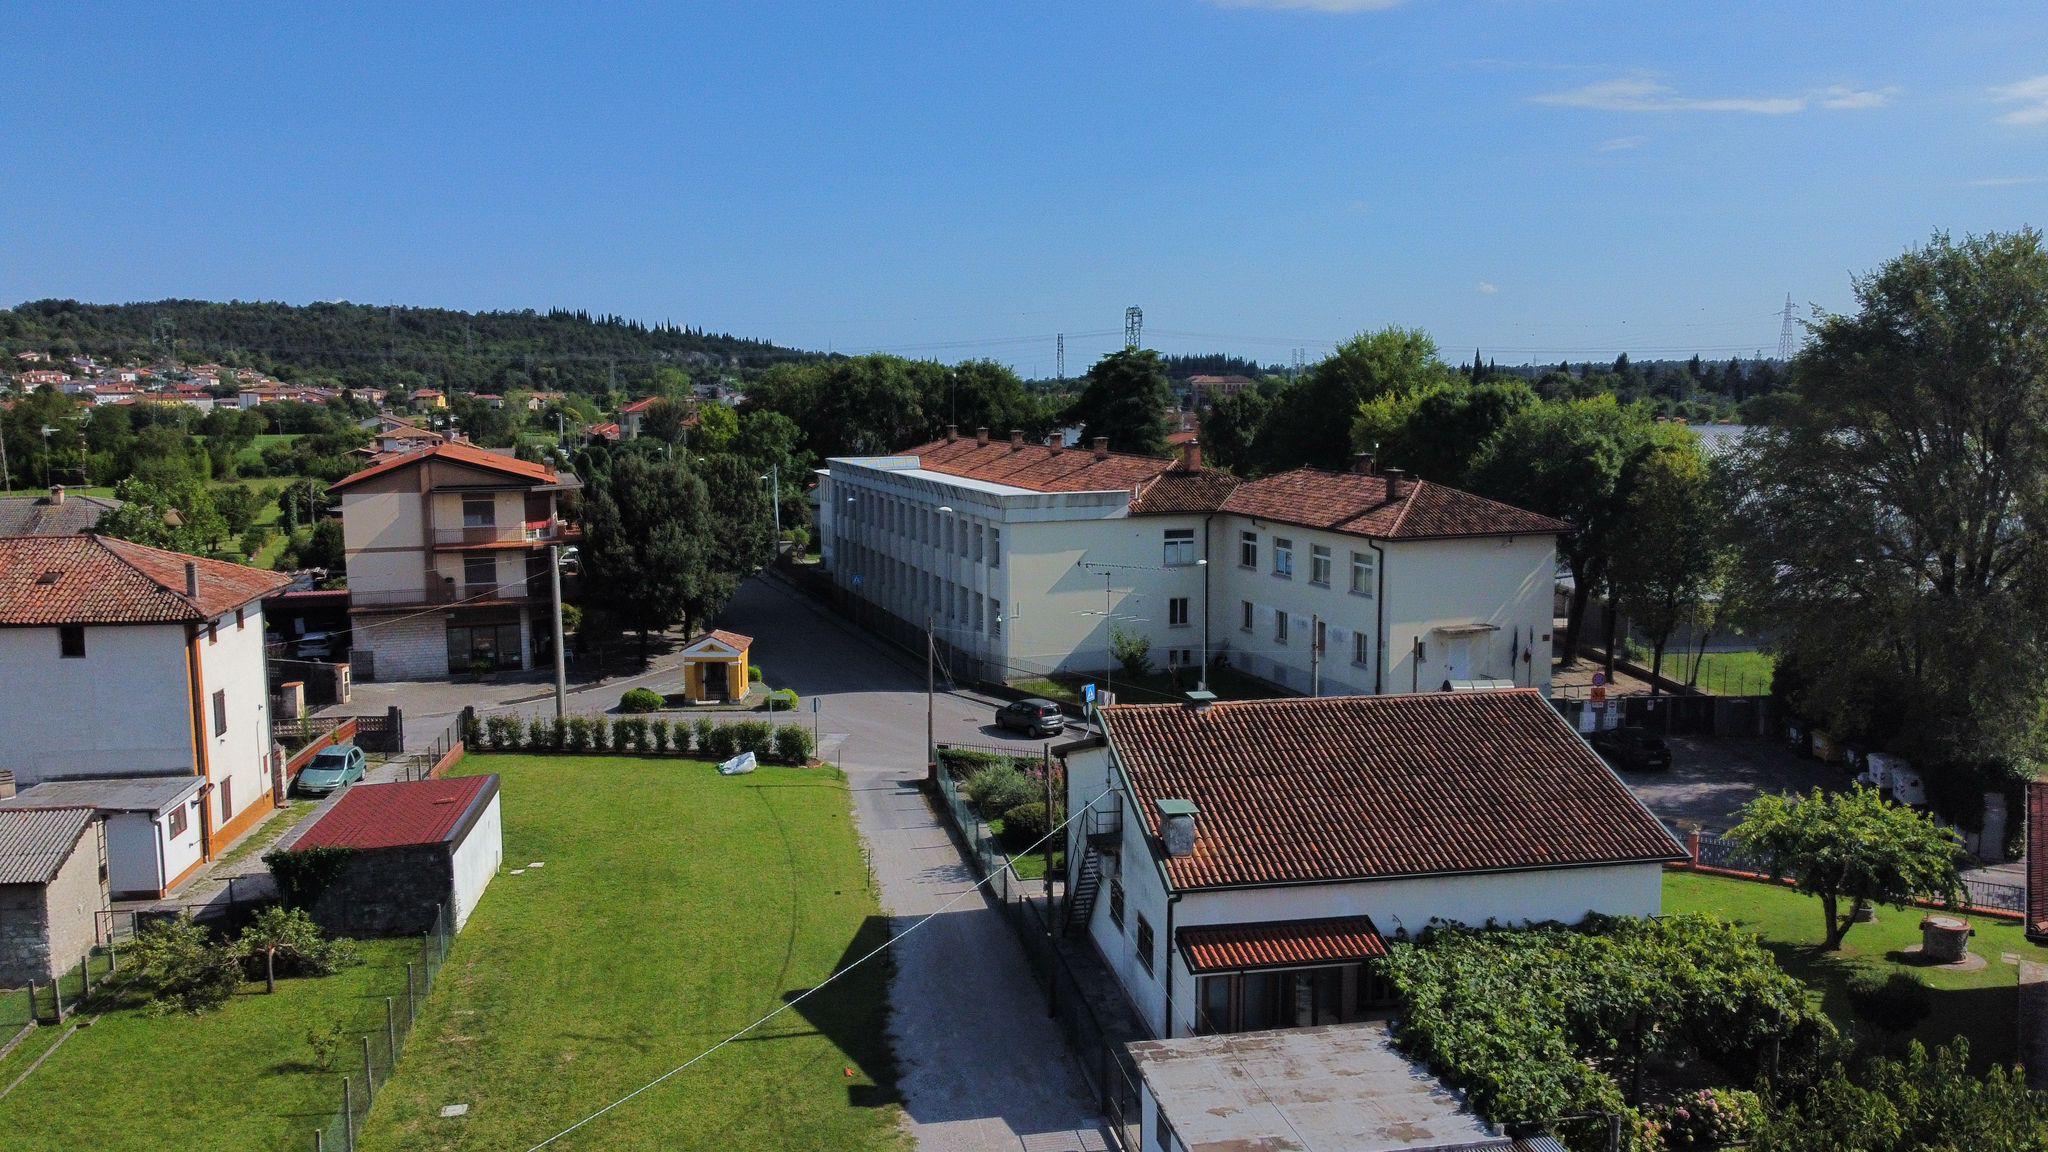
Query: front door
[{"x": 1458, "y": 654}]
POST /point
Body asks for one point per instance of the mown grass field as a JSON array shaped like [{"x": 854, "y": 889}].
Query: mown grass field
[
  {"x": 1981, "y": 1006},
  {"x": 675, "y": 907},
  {"x": 242, "y": 1077}
]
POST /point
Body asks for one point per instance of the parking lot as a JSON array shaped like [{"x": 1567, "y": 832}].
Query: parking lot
[{"x": 1710, "y": 779}]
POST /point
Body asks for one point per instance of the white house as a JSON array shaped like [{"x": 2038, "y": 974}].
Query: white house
[
  {"x": 152, "y": 825},
  {"x": 1237, "y": 863},
  {"x": 120, "y": 661},
  {"x": 1025, "y": 558}
]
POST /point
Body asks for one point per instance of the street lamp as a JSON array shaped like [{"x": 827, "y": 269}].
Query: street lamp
[{"x": 774, "y": 479}]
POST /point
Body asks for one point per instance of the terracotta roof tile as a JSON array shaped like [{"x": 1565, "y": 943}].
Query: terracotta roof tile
[
  {"x": 87, "y": 579},
  {"x": 455, "y": 453},
  {"x": 733, "y": 640},
  {"x": 1357, "y": 504},
  {"x": 1036, "y": 466},
  {"x": 1281, "y": 944},
  {"x": 398, "y": 815},
  {"x": 1182, "y": 491},
  {"x": 1360, "y": 787}
]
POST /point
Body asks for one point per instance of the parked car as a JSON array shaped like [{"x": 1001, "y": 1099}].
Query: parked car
[
  {"x": 331, "y": 769},
  {"x": 1033, "y": 717},
  {"x": 1635, "y": 749},
  {"x": 314, "y": 646}
]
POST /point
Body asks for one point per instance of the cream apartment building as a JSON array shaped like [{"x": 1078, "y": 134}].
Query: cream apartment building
[
  {"x": 1025, "y": 557},
  {"x": 447, "y": 550}
]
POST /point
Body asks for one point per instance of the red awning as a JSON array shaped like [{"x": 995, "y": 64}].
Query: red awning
[{"x": 1280, "y": 944}]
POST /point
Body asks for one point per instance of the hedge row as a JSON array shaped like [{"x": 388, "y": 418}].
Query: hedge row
[{"x": 601, "y": 734}]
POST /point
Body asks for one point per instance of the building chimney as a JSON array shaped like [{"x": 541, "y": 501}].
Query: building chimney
[
  {"x": 191, "y": 580},
  {"x": 1016, "y": 439},
  {"x": 981, "y": 435},
  {"x": 6, "y": 785},
  {"x": 1361, "y": 463},
  {"x": 1102, "y": 447},
  {"x": 952, "y": 433},
  {"x": 1177, "y": 826},
  {"x": 1191, "y": 456},
  {"x": 56, "y": 493},
  {"x": 1397, "y": 482},
  {"x": 1055, "y": 441}
]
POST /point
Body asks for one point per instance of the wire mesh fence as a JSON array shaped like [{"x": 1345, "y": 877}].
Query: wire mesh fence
[
  {"x": 50, "y": 1001},
  {"x": 1726, "y": 855},
  {"x": 372, "y": 1058}
]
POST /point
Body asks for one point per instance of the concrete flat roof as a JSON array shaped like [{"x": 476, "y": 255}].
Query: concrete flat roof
[
  {"x": 1335, "y": 1088},
  {"x": 150, "y": 794}
]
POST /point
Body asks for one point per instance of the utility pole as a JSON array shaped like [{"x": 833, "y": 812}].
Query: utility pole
[
  {"x": 1315, "y": 655},
  {"x": 931, "y": 687},
  {"x": 5, "y": 476},
  {"x": 561, "y": 667},
  {"x": 1059, "y": 359}
]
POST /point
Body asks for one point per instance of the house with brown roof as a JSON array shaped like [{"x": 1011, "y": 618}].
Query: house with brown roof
[
  {"x": 122, "y": 663},
  {"x": 53, "y": 886},
  {"x": 447, "y": 550},
  {"x": 1027, "y": 558},
  {"x": 1236, "y": 864},
  {"x": 56, "y": 514}
]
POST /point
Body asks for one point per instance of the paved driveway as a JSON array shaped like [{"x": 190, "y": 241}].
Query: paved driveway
[
  {"x": 1711, "y": 779},
  {"x": 982, "y": 1067}
]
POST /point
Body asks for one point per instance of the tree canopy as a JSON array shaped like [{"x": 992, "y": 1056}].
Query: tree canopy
[
  {"x": 1850, "y": 847},
  {"x": 1126, "y": 397}
]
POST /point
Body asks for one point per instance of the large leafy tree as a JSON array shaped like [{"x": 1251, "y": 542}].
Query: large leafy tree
[
  {"x": 1310, "y": 422},
  {"x": 647, "y": 530},
  {"x": 1126, "y": 397},
  {"x": 179, "y": 516},
  {"x": 1565, "y": 460},
  {"x": 1673, "y": 523},
  {"x": 1897, "y": 508},
  {"x": 1230, "y": 429},
  {"x": 1851, "y": 849},
  {"x": 1920, "y": 1104},
  {"x": 1437, "y": 431}
]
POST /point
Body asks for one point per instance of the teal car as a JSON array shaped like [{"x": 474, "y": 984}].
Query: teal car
[{"x": 332, "y": 769}]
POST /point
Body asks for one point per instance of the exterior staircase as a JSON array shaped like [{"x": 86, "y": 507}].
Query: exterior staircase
[{"x": 1081, "y": 900}]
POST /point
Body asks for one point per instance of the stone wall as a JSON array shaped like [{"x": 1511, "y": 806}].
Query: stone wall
[
  {"x": 45, "y": 929},
  {"x": 387, "y": 892},
  {"x": 401, "y": 648}
]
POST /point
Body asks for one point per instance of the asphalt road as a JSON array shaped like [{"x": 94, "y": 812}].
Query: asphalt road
[{"x": 982, "y": 1067}]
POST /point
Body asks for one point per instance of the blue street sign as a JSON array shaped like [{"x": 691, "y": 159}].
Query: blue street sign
[{"x": 1088, "y": 693}]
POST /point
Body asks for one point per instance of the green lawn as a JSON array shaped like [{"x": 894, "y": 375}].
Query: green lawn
[
  {"x": 1725, "y": 673},
  {"x": 676, "y": 907},
  {"x": 1982, "y": 1005},
  {"x": 241, "y": 1077}
]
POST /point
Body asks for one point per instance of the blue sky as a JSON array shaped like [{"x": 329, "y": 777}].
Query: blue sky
[{"x": 1540, "y": 178}]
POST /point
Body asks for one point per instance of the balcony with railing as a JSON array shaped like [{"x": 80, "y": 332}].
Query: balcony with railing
[
  {"x": 533, "y": 533},
  {"x": 445, "y": 592}
]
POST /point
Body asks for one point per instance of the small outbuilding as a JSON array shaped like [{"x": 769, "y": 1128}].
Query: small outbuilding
[
  {"x": 409, "y": 849},
  {"x": 53, "y": 886},
  {"x": 152, "y": 826},
  {"x": 715, "y": 667}
]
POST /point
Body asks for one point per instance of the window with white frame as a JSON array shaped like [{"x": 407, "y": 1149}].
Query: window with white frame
[
  {"x": 1283, "y": 557},
  {"x": 1361, "y": 649},
  {"x": 1177, "y": 612},
  {"x": 1180, "y": 547},
  {"x": 1248, "y": 549},
  {"x": 1319, "y": 564},
  {"x": 1362, "y": 565},
  {"x": 1279, "y": 627}
]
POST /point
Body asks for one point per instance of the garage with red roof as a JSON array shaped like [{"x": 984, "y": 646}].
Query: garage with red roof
[{"x": 405, "y": 851}]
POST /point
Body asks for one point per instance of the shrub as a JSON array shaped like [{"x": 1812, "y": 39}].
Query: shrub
[
  {"x": 323, "y": 1039},
  {"x": 793, "y": 743},
  {"x": 504, "y": 731},
  {"x": 754, "y": 736},
  {"x": 631, "y": 733},
  {"x": 472, "y": 729},
  {"x": 722, "y": 742},
  {"x": 998, "y": 788},
  {"x": 558, "y": 733},
  {"x": 1893, "y": 1001},
  {"x": 577, "y": 738},
  {"x": 175, "y": 965},
  {"x": 296, "y": 943},
  {"x": 600, "y": 734},
  {"x": 703, "y": 731},
  {"x": 657, "y": 729},
  {"x": 1709, "y": 1118},
  {"x": 1026, "y": 824},
  {"x": 539, "y": 735},
  {"x": 1132, "y": 649},
  {"x": 965, "y": 762},
  {"x": 782, "y": 700},
  {"x": 753, "y": 674},
  {"x": 641, "y": 700}
]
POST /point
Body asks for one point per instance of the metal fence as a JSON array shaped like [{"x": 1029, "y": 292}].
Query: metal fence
[
  {"x": 372, "y": 1058},
  {"x": 1725, "y": 854},
  {"x": 1027, "y": 906},
  {"x": 49, "y": 1002}
]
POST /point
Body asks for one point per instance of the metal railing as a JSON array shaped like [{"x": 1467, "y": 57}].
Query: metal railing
[
  {"x": 373, "y": 1059},
  {"x": 439, "y": 592},
  {"x": 538, "y": 532},
  {"x": 1724, "y": 854}
]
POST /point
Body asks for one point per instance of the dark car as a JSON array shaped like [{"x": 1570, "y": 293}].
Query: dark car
[
  {"x": 1032, "y": 718},
  {"x": 332, "y": 768},
  {"x": 1634, "y": 749}
]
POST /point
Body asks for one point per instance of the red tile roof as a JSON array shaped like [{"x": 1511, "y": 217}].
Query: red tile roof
[
  {"x": 399, "y": 815},
  {"x": 1181, "y": 491},
  {"x": 640, "y": 405},
  {"x": 1364, "y": 787},
  {"x": 87, "y": 579},
  {"x": 1357, "y": 504},
  {"x": 733, "y": 640},
  {"x": 1282, "y": 944},
  {"x": 454, "y": 453},
  {"x": 1036, "y": 466},
  {"x": 2037, "y": 861}
]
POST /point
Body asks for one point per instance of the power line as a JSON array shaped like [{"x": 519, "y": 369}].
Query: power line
[{"x": 1788, "y": 334}]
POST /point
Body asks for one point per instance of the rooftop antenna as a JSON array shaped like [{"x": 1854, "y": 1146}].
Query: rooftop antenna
[
  {"x": 1788, "y": 334},
  {"x": 1134, "y": 326}
]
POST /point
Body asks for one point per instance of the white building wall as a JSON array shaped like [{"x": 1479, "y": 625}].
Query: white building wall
[
  {"x": 1506, "y": 581},
  {"x": 477, "y": 859},
  {"x": 1057, "y": 601},
  {"x": 237, "y": 759},
  {"x": 404, "y": 647},
  {"x": 123, "y": 709}
]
